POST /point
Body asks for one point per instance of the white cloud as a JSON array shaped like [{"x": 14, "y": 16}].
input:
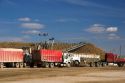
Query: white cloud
[
  {"x": 113, "y": 36},
  {"x": 112, "y": 29},
  {"x": 32, "y": 25},
  {"x": 25, "y": 19},
  {"x": 99, "y": 28},
  {"x": 31, "y": 32},
  {"x": 106, "y": 32},
  {"x": 96, "y": 28}
]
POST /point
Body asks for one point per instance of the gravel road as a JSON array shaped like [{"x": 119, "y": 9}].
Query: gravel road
[{"x": 63, "y": 75}]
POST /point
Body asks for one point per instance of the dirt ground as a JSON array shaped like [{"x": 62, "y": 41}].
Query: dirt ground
[{"x": 63, "y": 75}]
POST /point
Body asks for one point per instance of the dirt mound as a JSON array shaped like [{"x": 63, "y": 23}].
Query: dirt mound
[{"x": 88, "y": 48}]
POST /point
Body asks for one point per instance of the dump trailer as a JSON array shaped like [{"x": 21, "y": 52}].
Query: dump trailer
[
  {"x": 114, "y": 58},
  {"x": 85, "y": 59},
  {"x": 50, "y": 58},
  {"x": 11, "y": 57}
]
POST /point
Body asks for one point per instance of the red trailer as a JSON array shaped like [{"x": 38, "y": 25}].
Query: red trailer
[
  {"x": 49, "y": 58},
  {"x": 114, "y": 58},
  {"x": 11, "y": 57},
  {"x": 51, "y": 55}
]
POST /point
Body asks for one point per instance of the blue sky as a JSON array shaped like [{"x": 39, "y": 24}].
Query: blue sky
[{"x": 101, "y": 22}]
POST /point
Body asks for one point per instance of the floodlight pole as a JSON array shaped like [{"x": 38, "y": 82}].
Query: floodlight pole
[
  {"x": 52, "y": 42},
  {"x": 43, "y": 34}
]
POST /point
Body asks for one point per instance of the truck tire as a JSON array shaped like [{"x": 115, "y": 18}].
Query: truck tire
[
  {"x": 97, "y": 64},
  {"x": 24, "y": 65},
  {"x": 76, "y": 63},
  {"x": 59, "y": 65},
  {"x": 31, "y": 65},
  {"x": 38, "y": 65},
  {"x": 120, "y": 64},
  {"x": 1, "y": 65},
  {"x": 103, "y": 64},
  {"x": 13, "y": 65},
  {"x": 92, "y": 64},
  {"x": 51, "y": 65},
  {"x": 17, "y": 65},
  {"x": 68, "y": 65},
  {"x": 8, "y": 65},
  {"x": 46, "y": 65},
  {"x": 21, "y": 65}
]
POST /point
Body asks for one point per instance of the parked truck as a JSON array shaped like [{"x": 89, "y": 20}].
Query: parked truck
[
  {"x": 115, "y": 59},
  {"x": 50, "y": 58},
  {"x": 11, "y": 57}
]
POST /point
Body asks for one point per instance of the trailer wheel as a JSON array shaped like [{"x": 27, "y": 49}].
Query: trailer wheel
[
  {"x": 13, "y": 64},
  {"x": 8, "y": 65},
  {"x": 1, "y": 65},
  {"x": 24, "y": 65},
  {"x": 17, "y": 65},
  {"x": 51, "y": 65},
  {"x": 97, "y": 64},
  {"x": 92, "y": 64},
  {"x": 21, "y": 65},
  {"x": 46, "y": 65}
]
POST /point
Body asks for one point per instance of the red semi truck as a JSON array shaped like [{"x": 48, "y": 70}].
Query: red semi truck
[
  {"x": 50, "y": 58},
  {"x": 114, "y": 58},
  {"x": 11, "y": 57}
]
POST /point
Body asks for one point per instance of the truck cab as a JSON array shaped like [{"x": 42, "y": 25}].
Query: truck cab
[{"x": 67, "y": 59}]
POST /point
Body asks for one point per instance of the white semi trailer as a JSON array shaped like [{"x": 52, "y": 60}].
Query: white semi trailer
[{"x": 92, "y": 60}]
